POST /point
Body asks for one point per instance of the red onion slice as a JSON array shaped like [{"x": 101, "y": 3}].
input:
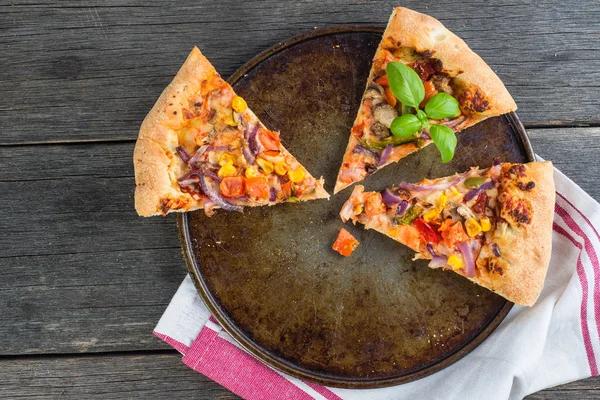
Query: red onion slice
[
  {"x": 438, "y": 262},
  {"x": 455, "y": 122},
  {"x": 272, "y": 194},
  {"x": 250, "y": 159},
  {"x": 194, "y": 160},
  {"x": 215, "y": 196},
  {"x": 475, "y": 192},
  {"x": 361, "y": 149},
  {"x": 385, "y": 155},
  {"x": 212, "y": 175},
  {"x": 402, "y": 207},
  {"x": 182, "y": 154},
  {"x": 389, "y": 198},
  {"x": 252, "y": 142},
  {"x": 440, "y": 186},
  {"x": 467, "y": 254}
]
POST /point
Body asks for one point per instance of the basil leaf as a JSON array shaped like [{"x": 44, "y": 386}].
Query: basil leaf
[
  {"x": 405, "y": 84},
  {"x": 423, "y": 118},
  {"x": 441, "y": 106},
  {"x": 444, "y": 139},
  {"x": 405, "y": 125}
]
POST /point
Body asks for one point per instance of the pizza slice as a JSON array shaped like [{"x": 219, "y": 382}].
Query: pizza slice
[
  {"x": 446, "y": 89},
  {"x": 202, "y": 147},
  {"x": 493, "y": 226}
]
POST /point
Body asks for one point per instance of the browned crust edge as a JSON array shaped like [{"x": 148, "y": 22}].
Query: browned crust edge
[
  {"x": 158, "y": 138},
  {"x": 423, "y": 32},
  {"x": 527, "y": 249},
  {"x": 157, "y": 135}
]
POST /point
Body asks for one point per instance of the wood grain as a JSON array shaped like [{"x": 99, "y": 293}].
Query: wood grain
[
  {"x": 127, "y": 376},
  {"x": 73, "y": 250},
  {"x": 156, "y": 376},
  {"x": 90, "y": 70}
]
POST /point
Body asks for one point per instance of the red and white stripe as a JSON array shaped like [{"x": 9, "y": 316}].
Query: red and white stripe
[
  {"x": 571, "y": 223},
  {"x": 214, "y": 353}
]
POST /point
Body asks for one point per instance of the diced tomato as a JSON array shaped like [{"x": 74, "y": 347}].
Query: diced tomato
[
  {"x": 271, "y": 153},
  {"x": 389, "y": 96},
  {"x": 430, "y": 91},
  {"x": 428, "y": 234},
  {"x": 374, "y": 205},
  {"x": 453, "y": 232},
  {"x": 233, "y": 186},
  {"x": 257, "y": 188},
  {"x": 269, "y": 139},
  {"x": 382, "y": 80},
  {"x": 345, "y": 243},
  {"x": 286, "y": 188},
  {"x": 357, "y": 130}
]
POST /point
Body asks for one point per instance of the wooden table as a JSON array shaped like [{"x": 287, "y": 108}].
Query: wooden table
[{"x": 83, "y": 279}]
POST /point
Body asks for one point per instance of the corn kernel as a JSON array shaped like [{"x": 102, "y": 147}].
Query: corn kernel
[
  {"x": 239, "y": 104},
  {"x": 296, "y": 176},
  {"x": 393, "y": 232},
  {"x": 251, "y": 172},
  {"x": 486, "y": 225},
  {"x": 229, "y": 120},
  {"x": 455, "y": 262},
  {"x": 226, "y": 158},
  {"x": 430, "y": 215},
  {"x": 281, "y": 168},
  {"x": 358, "y": 209},
  {"x": 227, "y": 170},
  {"x": 454, "y": 189},
  {"x": 473, "y": 227},
  {"x": 266, "y": 166},
  {"x": 441, "y": 203}
]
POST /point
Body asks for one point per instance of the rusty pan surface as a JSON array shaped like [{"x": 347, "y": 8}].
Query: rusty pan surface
[{"x": 269, "y": 275}]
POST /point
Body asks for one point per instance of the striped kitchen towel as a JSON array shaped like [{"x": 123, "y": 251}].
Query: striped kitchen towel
[{"x": 554, "y": 342}]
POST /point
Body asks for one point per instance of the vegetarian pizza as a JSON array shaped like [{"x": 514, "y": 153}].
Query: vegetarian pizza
[
  {"x": 425, "y": 84},
  {"x": 493, "y": 226},
  {"x": 202, "y": 147}
]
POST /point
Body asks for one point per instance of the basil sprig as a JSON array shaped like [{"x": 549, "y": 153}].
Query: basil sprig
[{"x": 409, "y": 90}]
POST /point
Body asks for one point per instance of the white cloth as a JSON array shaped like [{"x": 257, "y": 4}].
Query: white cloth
[{"x": 554, "y": 342}]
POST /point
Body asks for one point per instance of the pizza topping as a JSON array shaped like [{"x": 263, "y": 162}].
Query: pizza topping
[
  {"x": 409, "y": 216},
  {"x": 475, "y": 192},
  {"x": 455, "y": 262},
  {"x": 428, "y": 234},
  {"x": 473, "y": 227},
  {"x": 214, "y": 195},
  {"x": 474, "y": 182},
  {"x": 402, "y": 207},
  {"x": 480, "y": 203},
  {"x": 374, "y": 205},
  {"x": 345, "y": 243},
  {"x": 495, "y": 249},
  {"x": 467, "y": 256},
  {"x": 385, "y": 114},
  {"x": 385, "y": 155},
  {"x": 390, "y": 198}
]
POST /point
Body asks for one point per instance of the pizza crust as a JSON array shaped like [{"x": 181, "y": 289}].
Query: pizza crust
[
  {"x": 157, "y": 166},
  {"x": 157, "y": 139},
  {"x": 424, "y": 33},
  {"x": 526, "y": 248}
]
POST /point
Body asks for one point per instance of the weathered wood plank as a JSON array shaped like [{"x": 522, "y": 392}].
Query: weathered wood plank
[
  {"x": 156, "y": 376},
  {"x": 88, "y": 71},
  {"x": 81, "y": 272}
]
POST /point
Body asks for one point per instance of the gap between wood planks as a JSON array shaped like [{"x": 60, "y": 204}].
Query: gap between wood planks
[
  {"x": 120, "y": 353},
  {"x": 527, "y": 125}
]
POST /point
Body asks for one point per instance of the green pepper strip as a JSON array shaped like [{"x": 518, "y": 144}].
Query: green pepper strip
[{"x": 382, "y": 144}]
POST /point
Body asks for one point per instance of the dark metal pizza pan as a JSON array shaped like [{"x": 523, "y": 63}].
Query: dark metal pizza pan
[{"x": 269, "y": 275}]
